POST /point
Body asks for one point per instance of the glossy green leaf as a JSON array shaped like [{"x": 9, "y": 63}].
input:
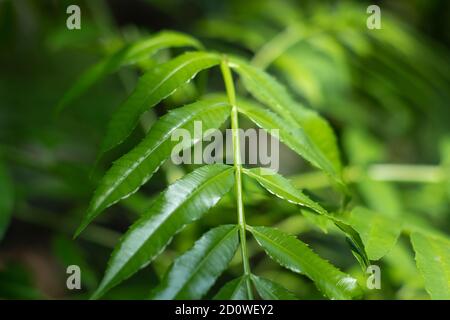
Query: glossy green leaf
[
  {"x": 320, "y": 139},
  {"x": 282, "y": 188},
  {"x": 290, "y": 134},
  {"x": 6, "y": 200},
  {"x": 193, "y": 273},
  {"x": 130, "y": 54},
  {"x": 433, "y": 262},
  {"x": 234, "y": 290},
  {"x": 269, "y": 290},
  {"x": 182, "y": 203},
  {"x": 378, "y": 233},
  {"x": 295, "y": 255},
  {"x": 155, "y": 85},
  {"x": 136, "y": 167}
]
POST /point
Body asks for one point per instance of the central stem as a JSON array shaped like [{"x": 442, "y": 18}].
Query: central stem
[{"x": 229, "y": 85}]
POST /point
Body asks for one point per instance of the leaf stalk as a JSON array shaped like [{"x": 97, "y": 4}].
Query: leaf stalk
[{"x": 229, "y": 86}]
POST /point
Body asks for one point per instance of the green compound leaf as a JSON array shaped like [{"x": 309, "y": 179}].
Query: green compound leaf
[
  {"x": 193, "y": 273},
  {"x": 135, "y": 168},
  {"x": 155, "y": 85},
  {"x": 182, "y": 203}
]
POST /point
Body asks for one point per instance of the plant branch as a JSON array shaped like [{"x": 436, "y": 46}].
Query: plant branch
[{"x": 229, "y": 85}]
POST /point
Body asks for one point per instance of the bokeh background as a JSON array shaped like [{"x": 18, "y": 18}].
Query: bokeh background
[{"x": 385, "y": 92}]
